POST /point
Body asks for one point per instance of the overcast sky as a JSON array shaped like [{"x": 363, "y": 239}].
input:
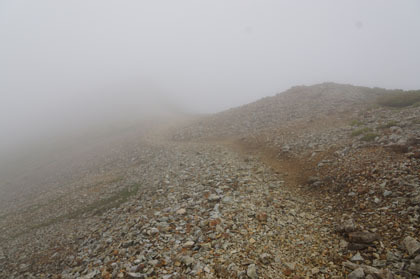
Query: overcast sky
[{"x": 62, "y": 59}]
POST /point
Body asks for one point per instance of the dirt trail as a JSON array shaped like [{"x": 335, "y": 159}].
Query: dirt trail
[{"x": 295, "y": 172}]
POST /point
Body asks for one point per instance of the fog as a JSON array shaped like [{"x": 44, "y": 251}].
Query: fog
[{"x": 68, "y": 66}]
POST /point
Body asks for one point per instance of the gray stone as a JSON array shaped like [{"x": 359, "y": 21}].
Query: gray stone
[
  {"x": 187, "y": 260},
  {"x": 189, "y": 244},
  {"x": 265, "y": 258},
  {"x": 153, "y": 231},
  {"x": 90, "y": 275},
  {"x": 387, "y": 193},
  {"x": 357, "y": 257},
  {"x": 290, "y": 266},
  {"x": 313, "y": 179},
  {"x": 214, "y": 198},
  {"x": 371, "y": 270},
  {"x": 411, "y": 245},
  {"x": 363, "y": 237},
  {"x": 385, "y": 274},
  {"x": 343, "y": 244},
  {"x": 357, "y": 274},
  {"x": 315, "y": 270},
  {"x": 379, "y": 263},
  {"x": 415, "y": 200},
  {"x": 252, "y": 271},
  {"x": 414, "y": 268},
  {"x": 350, "y": 265},
  {"x": 392, "y": 257},
  {"x": 136, "y": 275},
  {"x": 347, "y": 226}
]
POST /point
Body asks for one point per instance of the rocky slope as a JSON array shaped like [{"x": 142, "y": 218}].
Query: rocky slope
[
  {"x": 342, "y": 147},
  {"x": 315, "y": 182},
  {"x": 327, "y": 101}
]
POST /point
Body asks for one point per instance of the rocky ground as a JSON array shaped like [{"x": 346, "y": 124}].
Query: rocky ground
[{"x": 329, "y": 189}]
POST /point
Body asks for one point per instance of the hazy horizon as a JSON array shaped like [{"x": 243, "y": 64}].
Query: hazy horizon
[{"x": 71, "y": 65}]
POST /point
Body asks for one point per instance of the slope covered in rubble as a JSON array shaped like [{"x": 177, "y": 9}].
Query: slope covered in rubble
[{"x": 316, "y": 182}]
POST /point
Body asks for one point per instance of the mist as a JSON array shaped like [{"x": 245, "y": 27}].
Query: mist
[{"x": 67, "y": 67}]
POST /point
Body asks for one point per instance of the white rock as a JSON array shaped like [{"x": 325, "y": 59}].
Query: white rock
[
  {"x": 189, "y": 244},
  {"x": 252, "y": 271},
  {"x": 214, "y": 198},
  {"x": 357, "y": 257}
]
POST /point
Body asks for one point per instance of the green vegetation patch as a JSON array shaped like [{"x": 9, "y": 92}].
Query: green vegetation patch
[
  {"x": 356, "y": 123},
  {"x": 100, "y": 206},
  {"x": 360, "y": 131},
  {"x": 96, "y": 208},
  {"x": 369, "y": 137},
  {"x": 388, "y": 125},
  {"x": 400, "y": 99},
  {"x": 416, "y": 121}
]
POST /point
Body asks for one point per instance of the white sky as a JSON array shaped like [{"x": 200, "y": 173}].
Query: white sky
[{"x": 61, "y": 58}]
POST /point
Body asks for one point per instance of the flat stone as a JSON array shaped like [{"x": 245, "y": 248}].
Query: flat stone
[
  {"x": 136, "y": 275},
  {"x": 357, "y": 274},
  {"x": 315, "y": 270},
  {"x": 415, "y": 200},
  {"x": 350, "y": 265},
  {"x": 214, "y": 198},
  {"x": 371, "y": 270},
  {"x": 414, "y": 268},
  {"x": 187, "y": 260},
  {"x": 392, "y": 257},
  {"x": 363, "y": 237},
  {"x": 189, "y": 244},
  {"x": 290, "y": 266},
  {"x": 379, "y": 263},
  {"x": 358, "y": 246},
  {"x": 411, "y": 245},
  {"x": 357, "y": 257},
  {"x": 385, "y": 274},
  {"x": 90, "y": 275},
  {"x": 387, "y": 193},
  {"x": 347, "y": 226}
]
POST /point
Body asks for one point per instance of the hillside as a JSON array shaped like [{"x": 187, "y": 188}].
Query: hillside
[
  {"x": 296, "y": 105},
  {"x": 355, "y": 150},
  {"x": 319, "y": 181}
]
